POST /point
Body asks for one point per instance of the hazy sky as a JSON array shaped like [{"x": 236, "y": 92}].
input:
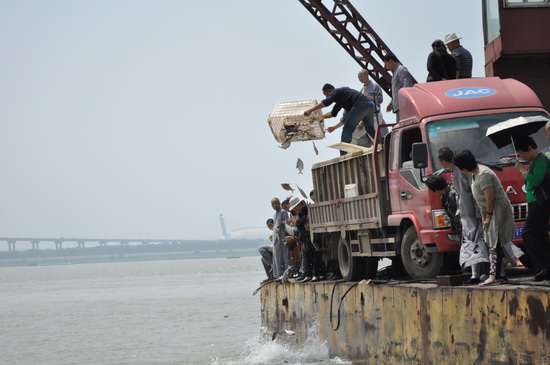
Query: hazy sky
[{"x": 147, "y": 119}]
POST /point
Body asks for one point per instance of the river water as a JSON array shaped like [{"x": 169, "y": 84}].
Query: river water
[{"x": 154, "y": 312}]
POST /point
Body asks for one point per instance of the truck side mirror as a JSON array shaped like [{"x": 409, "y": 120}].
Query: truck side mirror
[{"x": 420, "y": 155}]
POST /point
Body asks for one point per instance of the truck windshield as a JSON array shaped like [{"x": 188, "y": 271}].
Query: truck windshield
[{"x": 469, "y": 133}]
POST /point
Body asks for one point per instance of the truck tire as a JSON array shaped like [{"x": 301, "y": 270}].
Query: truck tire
[
  {"x": 418, "y": 262},
  {"x": 351, "y": 268}
]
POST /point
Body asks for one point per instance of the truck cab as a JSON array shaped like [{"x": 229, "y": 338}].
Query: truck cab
[{"x": 395, "y": 214}]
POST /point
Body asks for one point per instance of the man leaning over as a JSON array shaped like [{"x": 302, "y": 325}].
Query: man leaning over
[{"x": 357, "y": 106}]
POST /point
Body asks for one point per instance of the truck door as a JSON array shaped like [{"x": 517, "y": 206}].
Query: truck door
[{"x": 412, "y": 195}]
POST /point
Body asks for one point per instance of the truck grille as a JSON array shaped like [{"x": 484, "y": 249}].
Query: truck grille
[{"x": 520, "y": 211}]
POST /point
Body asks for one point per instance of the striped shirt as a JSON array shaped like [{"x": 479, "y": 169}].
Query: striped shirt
[{"x": 464, "y": 62}]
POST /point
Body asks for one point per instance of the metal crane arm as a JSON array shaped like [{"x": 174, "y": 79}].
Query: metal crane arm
[{"x": 351, "y": 30}]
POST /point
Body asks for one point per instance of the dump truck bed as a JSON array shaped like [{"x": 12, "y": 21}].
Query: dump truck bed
[{"x": 348, "y": 191}]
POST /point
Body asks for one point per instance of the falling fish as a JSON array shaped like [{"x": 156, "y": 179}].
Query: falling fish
[
  {"x": 300, "y": 165},
  {"x": 315, "y": 148},
  {"x": 284, "y": 278},
  {"x": 301, "y": 192},
  {"x": 285, "y": 332},
  {"x": 285, "y": 145},
  {"x": 287, "y": 187}
]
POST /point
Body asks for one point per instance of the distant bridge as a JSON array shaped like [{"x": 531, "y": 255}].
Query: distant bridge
[{"x": 81, "y": 242}]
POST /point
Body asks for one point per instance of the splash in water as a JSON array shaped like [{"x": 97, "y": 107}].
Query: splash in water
[{"x": 262, "y": 350}]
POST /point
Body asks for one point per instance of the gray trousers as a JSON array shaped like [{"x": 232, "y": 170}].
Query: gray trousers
[
  {"x": 266, "y": 251},
  {"x": 280, "y": 256}
]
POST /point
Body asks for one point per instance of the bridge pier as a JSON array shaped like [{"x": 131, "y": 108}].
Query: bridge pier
[
  {"x": 34, "y": 244},
  {"x": 81, "y": 244},
  {"x": 58, "y": 244},
  {"x": 11, "y": 245}
]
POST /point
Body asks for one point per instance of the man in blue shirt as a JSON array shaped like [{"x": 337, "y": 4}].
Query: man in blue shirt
[{"x": 358, "y": 107}]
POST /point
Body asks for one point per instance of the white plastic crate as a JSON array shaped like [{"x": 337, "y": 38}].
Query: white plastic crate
[{"x": 289, "y": 124}]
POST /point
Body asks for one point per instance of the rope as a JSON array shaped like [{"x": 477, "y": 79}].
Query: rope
[{"x": 339, "y": 305}]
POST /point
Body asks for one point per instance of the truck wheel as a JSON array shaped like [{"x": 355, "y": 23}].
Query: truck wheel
[
  {"x": 418, "y": 262},
  {"x": 351, "y": 268}
]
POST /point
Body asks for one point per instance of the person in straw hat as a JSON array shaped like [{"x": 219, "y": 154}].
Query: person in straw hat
[{"x": 461, "y": 55}]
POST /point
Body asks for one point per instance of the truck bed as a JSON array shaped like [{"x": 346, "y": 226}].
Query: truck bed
[{"x": 348, "y": 190}]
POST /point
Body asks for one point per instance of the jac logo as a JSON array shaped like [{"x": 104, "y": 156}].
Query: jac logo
[
  {"x": 511, "y": 190},
  {"x": 471, "y": 92}
]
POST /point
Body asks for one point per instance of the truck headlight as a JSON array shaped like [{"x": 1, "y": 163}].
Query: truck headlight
[{"x": 440, "y": 219}]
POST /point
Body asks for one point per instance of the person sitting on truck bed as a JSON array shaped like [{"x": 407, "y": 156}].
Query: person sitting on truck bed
[
  {"x": 357, "y": 106},
  {"x": 473, "y": 250},
  {"x": 535, "y": 230},
  {"x": 400, "y": 78},
  {"x": 498, "y": 221}
]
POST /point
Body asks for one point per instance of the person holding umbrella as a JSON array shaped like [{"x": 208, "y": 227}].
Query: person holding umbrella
[{"x": 535, "y": 230}]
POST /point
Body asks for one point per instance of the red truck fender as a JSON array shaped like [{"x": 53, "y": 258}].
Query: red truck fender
[{"x": 403, "y": 221}]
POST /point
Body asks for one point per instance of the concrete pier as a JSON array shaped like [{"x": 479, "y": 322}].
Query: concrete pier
[{"x": 417, "y": 323}]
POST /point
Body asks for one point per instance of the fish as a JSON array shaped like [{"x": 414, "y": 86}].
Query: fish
[
  {"x": 301, "y": 192},
  {"x": 299, "y": 165},
  {"x": 287, "y": 187},
  {"x": 286, "y": 275},
  {"x": 285, "y": 332},
  {"x": 285, "y": 145},
  {"x": 315, "y": 148}
]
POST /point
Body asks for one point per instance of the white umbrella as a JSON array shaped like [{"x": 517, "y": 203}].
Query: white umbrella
[{"x": 504, "y": 133}]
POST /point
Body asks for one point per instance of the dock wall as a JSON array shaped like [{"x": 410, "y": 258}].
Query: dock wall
[{"x": 416, "y": 323}]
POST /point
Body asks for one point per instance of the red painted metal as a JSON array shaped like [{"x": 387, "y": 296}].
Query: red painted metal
[{"x": 355, "y": 35}]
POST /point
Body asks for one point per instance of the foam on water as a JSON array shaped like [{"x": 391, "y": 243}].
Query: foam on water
[{"x": 262, "y": 350}]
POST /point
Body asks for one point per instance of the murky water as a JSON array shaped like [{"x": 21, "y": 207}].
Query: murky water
[{"x": 156, "y": 312}]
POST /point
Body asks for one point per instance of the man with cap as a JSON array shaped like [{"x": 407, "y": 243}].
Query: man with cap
[{"x": 461, "y": 55}]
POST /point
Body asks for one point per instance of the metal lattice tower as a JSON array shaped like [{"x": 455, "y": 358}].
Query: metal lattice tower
[{"x": 354, "y": 34}]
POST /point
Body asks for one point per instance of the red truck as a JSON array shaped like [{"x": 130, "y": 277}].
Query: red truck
[{"x": 373, "y": 204}]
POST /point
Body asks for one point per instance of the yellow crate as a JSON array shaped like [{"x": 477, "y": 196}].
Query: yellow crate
[{"x": 288, "y": 123}]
